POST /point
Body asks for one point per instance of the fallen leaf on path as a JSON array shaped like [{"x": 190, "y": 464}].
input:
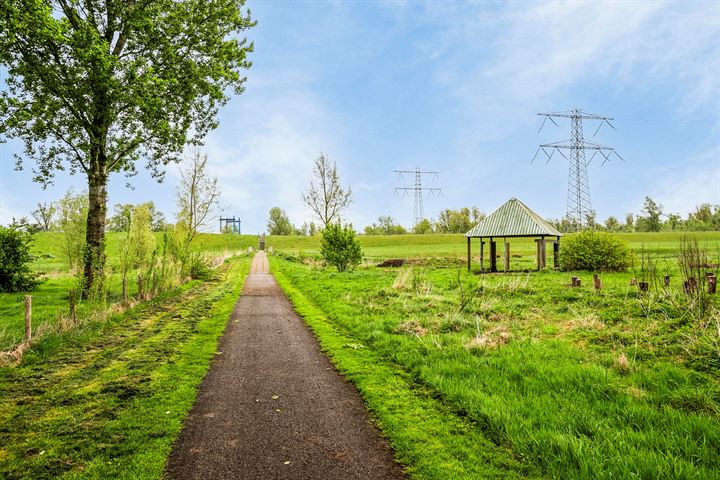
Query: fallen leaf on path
[{"x": 275, "y": 397}]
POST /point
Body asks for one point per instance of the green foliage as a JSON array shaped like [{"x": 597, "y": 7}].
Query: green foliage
[
  {"x": 423, "y": 227},
  {"x": 594, "y": 251},
  {"x": 140, "y": 242},
  {"x": 279, "y": 223},
  {"x": 651, "y": 221},
  {"x": 385, "y": 226},
  {"x": 340, "y": 247},
  {"x": 15, "y": 258},
  {"x": 72, "y": 222},
  {"x": 120, "y": 221},
  {"x": 44, "y": 216},
  {"x": 458, "y": 221},
  {"x": 198, "y": 266},
  {"x": 95, "y": 86}
]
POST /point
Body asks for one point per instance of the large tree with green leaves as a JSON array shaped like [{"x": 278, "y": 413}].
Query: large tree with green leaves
[{"x": 96, "y": 86}]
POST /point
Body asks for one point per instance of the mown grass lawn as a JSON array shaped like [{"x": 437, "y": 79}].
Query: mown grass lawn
[
  {"x": 107, "y": 399},
  {"x": 520, "y": 375},
  {"x": 50, "y": 300}
]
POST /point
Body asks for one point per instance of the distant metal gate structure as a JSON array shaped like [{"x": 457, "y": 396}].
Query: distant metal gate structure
[
  {"x": 230, "y": 225},
  {"x": 261, "y": 242}
]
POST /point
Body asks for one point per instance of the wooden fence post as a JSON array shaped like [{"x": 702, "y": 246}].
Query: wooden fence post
[
  {"x": 712, "y": 284},
  {"x": 597, "y": 283},
  {"x": 28, "y": 317}
]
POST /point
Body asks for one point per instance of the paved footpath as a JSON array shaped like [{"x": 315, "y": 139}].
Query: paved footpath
[{"x": 272, "y": 406}]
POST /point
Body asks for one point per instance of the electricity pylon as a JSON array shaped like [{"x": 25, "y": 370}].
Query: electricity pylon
[
  {"x": 418, "y": 190},
  {"x": 579, "y": 205}
]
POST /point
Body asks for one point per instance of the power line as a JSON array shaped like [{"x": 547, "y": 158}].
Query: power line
[
  {"x": 579, "y": 205},
  {"x": 417, "y": 190}
]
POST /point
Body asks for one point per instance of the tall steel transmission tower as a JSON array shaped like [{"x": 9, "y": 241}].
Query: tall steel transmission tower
[
  {"x": 418, "y": 190},
  {"x": 579, "y": 206}
]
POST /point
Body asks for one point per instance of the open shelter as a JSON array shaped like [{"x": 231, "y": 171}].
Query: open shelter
[{"x": 513, "y": 219}]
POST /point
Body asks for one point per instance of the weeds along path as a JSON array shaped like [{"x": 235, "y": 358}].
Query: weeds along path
[
  {"x": 273, "y": 406},
  {"x": 109, "y": 402}
]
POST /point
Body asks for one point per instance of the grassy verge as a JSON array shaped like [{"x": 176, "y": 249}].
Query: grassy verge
[
  {"x": 541, "y": 378},
  {"x": 107, "y": 401},
  {"x": 430, "y": 439},
  {"x": 50, "y": 299}
]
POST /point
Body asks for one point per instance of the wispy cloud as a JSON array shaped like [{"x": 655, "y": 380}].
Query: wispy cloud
[
  {"x": 535, "y": 53},
  {"x": 685, "y": 184},
  {"x": 263, "y": 156}
]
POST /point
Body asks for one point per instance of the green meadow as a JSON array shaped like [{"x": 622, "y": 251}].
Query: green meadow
[
  {"x": 50, "y": 300},
  {"x": 468, "y": 375},
  {"x": 520, "y": 375},
  {"x": 108, "y": 398}
]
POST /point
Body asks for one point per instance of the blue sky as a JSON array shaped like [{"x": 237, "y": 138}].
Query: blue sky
[{"x": 454, "y": 87}]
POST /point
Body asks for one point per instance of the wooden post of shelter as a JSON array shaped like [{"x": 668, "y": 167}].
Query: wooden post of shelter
[
  {"x": 28, "y": 317},
  {"x": 541, "y": 254},
  {"x": 556, "y": 253},
  {"x": 493, "y": 255},
  {"x": 482, "y": 255},
  {"x": 507, "y": 255},
  {"x": 468, "y": 252}
]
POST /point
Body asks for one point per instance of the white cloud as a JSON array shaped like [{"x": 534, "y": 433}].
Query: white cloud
[
  {"x": 263, "y": 153},
  {"x": 537, "y": 52},
  {"x": 683, "y": 185}
]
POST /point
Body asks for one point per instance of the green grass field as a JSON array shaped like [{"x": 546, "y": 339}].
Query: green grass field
[
  {"x": 519, "y": 375},
  {"x": 469, "y": 376},
  {"x": 107, "y": 399},
  {"x": 50, "y": 298}
]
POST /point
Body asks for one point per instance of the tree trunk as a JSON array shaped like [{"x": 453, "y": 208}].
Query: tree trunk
[{"x": 95, "y": 235}]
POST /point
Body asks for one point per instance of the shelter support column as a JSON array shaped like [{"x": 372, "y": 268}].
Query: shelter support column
[
  {"x": 541, "y": 254},
  {"x": 468, "y": 252},
  {"x": 493, "y": 256},
  {"x": 507, "y": 255},
  {"x": 482, "y": 255},
  {"x": 556, "y": 253}
]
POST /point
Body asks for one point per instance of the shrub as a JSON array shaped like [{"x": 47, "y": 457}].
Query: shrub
[
  {"x": 198, "y": 267},
  {"x": 340, "y": 247},
  {"x": 72, "y": 222},
  {"x": 594, "y": 251},
  {"x": 15, "y": 259}
]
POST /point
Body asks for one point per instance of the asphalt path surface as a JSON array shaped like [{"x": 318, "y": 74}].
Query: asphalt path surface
[{"x": 272, "y": 406}]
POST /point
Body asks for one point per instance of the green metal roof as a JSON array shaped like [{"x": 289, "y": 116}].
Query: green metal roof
[{"x": 513, "y": 219}]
